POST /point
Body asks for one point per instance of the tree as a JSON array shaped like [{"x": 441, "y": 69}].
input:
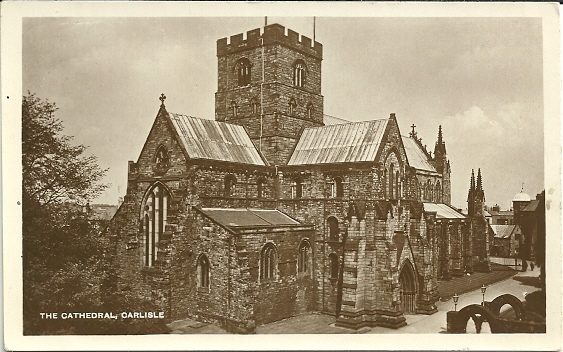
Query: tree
[{"x": 67, "y": 263}]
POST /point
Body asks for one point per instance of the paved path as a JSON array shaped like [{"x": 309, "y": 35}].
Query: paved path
[{"x": 315, "y": 323}]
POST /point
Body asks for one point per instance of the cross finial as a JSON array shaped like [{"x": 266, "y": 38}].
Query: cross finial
[
  {"x": 162, "y": 99},
  {"x": 413, "y": 132}
]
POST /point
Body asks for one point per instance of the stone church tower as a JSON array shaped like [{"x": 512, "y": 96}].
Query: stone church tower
[
  {"x": 442, "y": 165},
  {"x": 270, "y": 83},
  {"x": 480, "y": 227}
]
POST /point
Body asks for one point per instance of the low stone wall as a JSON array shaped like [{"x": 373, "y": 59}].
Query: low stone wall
[{"x": 457, "y": 321}]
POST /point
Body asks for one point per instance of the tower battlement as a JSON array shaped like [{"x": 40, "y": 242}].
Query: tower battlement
[{"x": 274, "y": 33}]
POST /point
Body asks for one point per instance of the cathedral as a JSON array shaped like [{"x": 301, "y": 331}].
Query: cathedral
[{"x": 275, "y": 209}]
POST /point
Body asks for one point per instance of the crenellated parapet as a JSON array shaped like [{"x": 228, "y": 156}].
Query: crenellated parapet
[{"x": 274, "y": 33}]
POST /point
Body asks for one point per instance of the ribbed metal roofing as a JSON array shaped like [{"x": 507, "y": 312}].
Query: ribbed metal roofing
[
  {"x": 416, "y": 156},
  {"x": 443, "y": 211},
  {"x": 214, "y": 140},
  {"x": 244, "y": 217},
  {"x": 351, "y": 142},
  {"x": 503, "y": 231},
  {"x": 333, "y": 120}
]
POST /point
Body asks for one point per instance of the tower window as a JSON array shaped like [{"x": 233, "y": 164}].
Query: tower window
[
  {"x": 299, "y": 73},
  {"x": 310, "y": 111},
  {"x": 260, "y": 187},
  {"x": 337, "y": 188},
  {"x": 297, "y": 188},
  {"x": 203, "y": 271},
  {"x": 268, "y": 262},
  {"x": 243, "y": 70},
  {"x": 333, "y": 266},
  {"x": 292, "y": 106},
  {"x": 253, "y": 106},
  {"x": 230, "y": 182},
  {"x": 333, "y": 229},
  {"x": 303, "y": 259},
  {"x": 234, "y": 109}
]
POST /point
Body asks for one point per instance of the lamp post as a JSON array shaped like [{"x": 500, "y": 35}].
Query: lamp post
[
  {"x": 483, "y": 289},
  {"x": 456, "y": 298}
]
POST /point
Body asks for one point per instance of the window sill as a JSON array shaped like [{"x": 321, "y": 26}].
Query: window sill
[{"x": 203, "y": 289}]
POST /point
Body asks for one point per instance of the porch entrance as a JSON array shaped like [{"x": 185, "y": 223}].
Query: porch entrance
[{"x": 408, "y": 289}]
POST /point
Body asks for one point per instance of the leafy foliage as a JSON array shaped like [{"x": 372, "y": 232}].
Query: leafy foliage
[{"x": 67, "y": 264}]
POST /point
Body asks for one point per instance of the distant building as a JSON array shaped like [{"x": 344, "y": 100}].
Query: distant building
[
  {"x": 501, "y": 217},
  {"x": 505, "y": 240},
  {"x": 101, "y": 211},
  {"x": 530, "y": 216}
]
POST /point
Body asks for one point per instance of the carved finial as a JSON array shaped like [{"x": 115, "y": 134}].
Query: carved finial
[
  {"x": 439, "y": 134},
  {"x": 479, "y": 181},
  {"x": 162, "y": 99},
  {"x": 472, "y": 183}
]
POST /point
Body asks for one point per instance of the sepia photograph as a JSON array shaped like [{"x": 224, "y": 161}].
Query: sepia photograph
[{"x": 250, "y": 171}]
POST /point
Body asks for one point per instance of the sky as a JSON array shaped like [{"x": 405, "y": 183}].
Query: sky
[{"x": 480, "y": 78}]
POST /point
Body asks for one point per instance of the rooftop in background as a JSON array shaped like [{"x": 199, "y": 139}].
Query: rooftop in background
[
  {"x": 249, "y": 218},
  {"x": 443, "y": 211},
  {"x": 504, "y": 231},
  {"x": 214, "y": 140},
  {"x": 102, "y": 211},
  {"x": 340, "y": 143}
]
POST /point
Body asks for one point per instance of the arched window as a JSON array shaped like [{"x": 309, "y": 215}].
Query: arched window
[
  {"x": 397, "y": 185},
  {"x": 299, "y": 73},
  {"x": 333, "y": 258},
  {"x": 161, "y": 157},
  {"x": 268, "y": 259},
  {"x": 337, "y": 188},
  {"x": 203, "y": 271},
  {"x": 438, "y": 193},
  {"x": 260, "y": 187},
  {"x": 292, "y": 106},
  {"x": 154, "y": 214},
  {"x": 297, "y": 188},
  {"x": 230, "y": 182},
  {"x": 310, "y": 111},
  {"x": 384, "y": 183},
  {"x": 333, "y": 229},
  {"x": 304, "y": 255},
  {"x": 391, "y": 173},
  {"x": 243, "y": 70},
  {"x": 253, "y": 106},
  {"x": 234, "y": 109},
  {"x": 428, "y": 191}
]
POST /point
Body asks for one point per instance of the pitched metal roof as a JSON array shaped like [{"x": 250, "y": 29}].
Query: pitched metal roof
[
  {"x": 416, "y": 156},
  {"x": 333, "y": 120},
  {"x": 351, "y": 142},
  {"x": 214, "y": 140},
  {"x": 244, "y": 217},
  {"x": 443, "y": 211},
  {"x": 503, "y": 231}
]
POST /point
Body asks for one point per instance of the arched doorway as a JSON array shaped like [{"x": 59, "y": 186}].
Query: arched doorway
[{"x": 407, "y": 283}]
